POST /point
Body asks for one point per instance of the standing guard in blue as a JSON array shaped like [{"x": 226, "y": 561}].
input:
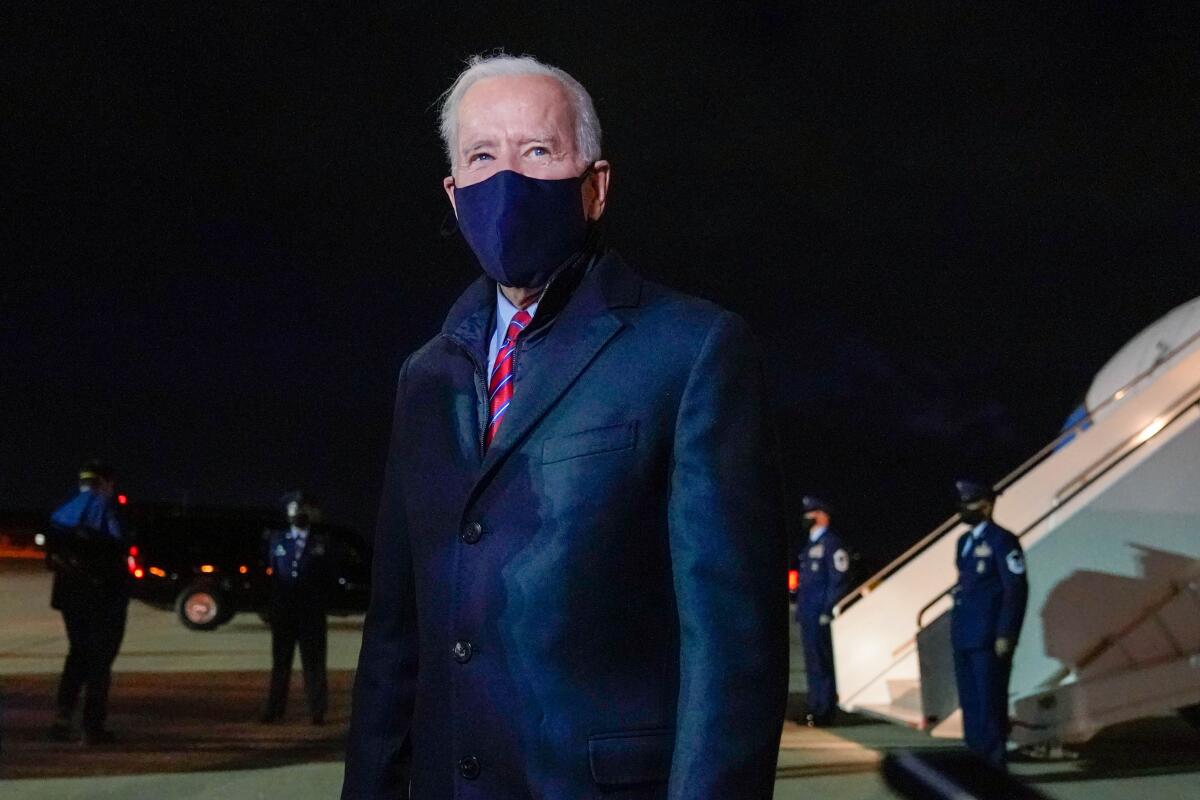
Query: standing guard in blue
[
  {"x": 299, "y": 583},
  {"x": 989, "y": 607},
  {"x": 86, "y": 550},
  {"x": 824, "y": 579}
]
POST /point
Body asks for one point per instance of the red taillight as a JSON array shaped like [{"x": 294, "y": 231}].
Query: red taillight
[
  {"x": 793, "y": 580},
  {"x": 134, "y": 563},
  {"x": 122, "y": 499}
]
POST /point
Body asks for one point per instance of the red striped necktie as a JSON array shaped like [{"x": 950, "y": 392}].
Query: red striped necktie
[{"x": 500, "y": 388}]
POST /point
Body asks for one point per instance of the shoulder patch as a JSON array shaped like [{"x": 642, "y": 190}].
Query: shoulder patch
[
  {"x": 1016, "y": 562},
  {"x": 841, "y": 560}
]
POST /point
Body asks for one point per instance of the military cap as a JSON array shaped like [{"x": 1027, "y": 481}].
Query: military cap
[
  {"x": 811, "y": 503},
  {"x": 970, "y": 492}
]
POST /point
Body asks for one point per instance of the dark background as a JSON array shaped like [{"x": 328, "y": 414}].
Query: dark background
[{"x": 941, "y": 219}]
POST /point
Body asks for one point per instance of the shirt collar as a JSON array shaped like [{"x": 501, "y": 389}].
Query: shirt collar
[
  {"x": 977, "y": 531},
  {"x": 505, "y": 311},
  {"x": 817, "y": 533},
  {"x": 297, "y": 533}
]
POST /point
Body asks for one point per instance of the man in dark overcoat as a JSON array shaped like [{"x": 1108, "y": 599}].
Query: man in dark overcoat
[{"x": 580, "y": 560}]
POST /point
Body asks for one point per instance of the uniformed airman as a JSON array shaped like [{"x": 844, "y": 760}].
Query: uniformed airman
[
  {"x": 989, "y": 607},
  {"x": 824, "y": 565},
  {"x": 298, "y": 564}
]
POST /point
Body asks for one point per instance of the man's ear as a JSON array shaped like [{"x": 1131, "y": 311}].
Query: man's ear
[
  {"x": 595, "y": 190},
  {"x": 448, "y": 185}
]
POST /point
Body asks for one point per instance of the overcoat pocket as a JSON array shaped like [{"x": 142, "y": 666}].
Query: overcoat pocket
[
  {"x": 589, "y": 442},
  {"x": 625, "y": 757}
]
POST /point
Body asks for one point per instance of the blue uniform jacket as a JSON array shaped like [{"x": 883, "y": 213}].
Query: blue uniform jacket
[
  {"x": 824, "y": 567},
  {"x": 989, "y": 600},
  {"x": 304, "y": 579},
  {"x": 595, "y": 605}
]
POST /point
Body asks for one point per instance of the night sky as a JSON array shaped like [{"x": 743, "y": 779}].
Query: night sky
[{"x": 224, "y": 226}]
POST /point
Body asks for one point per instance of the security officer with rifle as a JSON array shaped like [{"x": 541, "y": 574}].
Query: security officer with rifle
[
  {"x": 824, "y": 579},
  {"x": 85, "y": 548},
  {"x": 989, "y": 607},
  {"x": 298, "y": 562}
]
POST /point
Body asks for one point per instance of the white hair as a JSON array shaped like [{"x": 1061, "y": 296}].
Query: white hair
[{"x": 587, "y": 124}]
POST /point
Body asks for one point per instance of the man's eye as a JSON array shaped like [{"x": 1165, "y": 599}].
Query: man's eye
[
  {"x": 480, "y": 157},
  {"x": 538, "y": 152}
]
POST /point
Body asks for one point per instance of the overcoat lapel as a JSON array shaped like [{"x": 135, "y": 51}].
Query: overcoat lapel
[
  {"x": 550, "y": 365},
  {"x": 469, "y": 324},
  {"x": 572, "y": 341},
  {"x": 545, "y": 373}
]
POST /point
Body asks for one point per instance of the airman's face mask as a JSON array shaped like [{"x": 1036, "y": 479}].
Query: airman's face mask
[
  {"x": 973, "y": 514},
  {"x": 522, "y": 229}
]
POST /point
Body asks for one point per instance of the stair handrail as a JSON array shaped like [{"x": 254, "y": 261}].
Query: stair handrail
[
  {"x": 1118, "y": 454},
  {"x": 1023, "y": 469}
]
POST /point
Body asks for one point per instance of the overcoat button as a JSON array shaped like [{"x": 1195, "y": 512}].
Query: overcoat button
[
  {"x": 472, "y": 532},
  {"x": 462, "y": 651},
  {"x": 469, "y": 767}
]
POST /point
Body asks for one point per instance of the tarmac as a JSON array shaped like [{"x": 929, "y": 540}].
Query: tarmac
[{"x": 185, "y": 704}]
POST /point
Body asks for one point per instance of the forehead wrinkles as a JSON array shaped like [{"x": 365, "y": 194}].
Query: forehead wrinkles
[{"x": 501, "y": 108}]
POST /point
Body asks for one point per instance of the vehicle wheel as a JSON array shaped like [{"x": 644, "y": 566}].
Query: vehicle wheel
[
  {"x": 201, "y": 607},
  {"x": 1191, "y": 715}
]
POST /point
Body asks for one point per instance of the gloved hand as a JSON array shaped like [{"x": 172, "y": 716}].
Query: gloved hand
[
  {"x": 1003, "y": 647},
  {"x": 824, "y": 619}
]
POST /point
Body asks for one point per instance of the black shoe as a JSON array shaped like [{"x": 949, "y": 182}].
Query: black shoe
[
  {"x": 813, "y": 721},
  {"x": 99, "y": 736},
  {"x": 318, "y": 719},
  {"x": 60, "y": 731}
]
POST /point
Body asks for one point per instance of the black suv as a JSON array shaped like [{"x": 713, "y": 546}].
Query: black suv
[{"x": 208, "y": 564}]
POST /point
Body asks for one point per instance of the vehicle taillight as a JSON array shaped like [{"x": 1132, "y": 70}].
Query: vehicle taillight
[
  {"x": 122, "y": 499},
  {"x": 134, "y": 563},
  {"x": 793, "y": 580}
]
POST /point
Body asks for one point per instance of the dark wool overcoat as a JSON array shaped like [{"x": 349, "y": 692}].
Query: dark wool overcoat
[{"x": 595, "y": 606}]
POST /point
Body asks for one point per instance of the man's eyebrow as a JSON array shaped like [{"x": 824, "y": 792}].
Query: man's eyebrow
[
  {"x": 478, "y": 143},
  {"x": 548, "y": 138}
]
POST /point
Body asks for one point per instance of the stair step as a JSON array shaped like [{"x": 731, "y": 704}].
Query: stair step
[
  {"x": 906, "y": 694},
  {"x": 894, "y": 713}
]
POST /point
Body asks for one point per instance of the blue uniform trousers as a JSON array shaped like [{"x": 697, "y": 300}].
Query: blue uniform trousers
[
  {"x": 818, "y": 665},
  {"x": 290, "y": 626},
  {"x": 983, "y": 695}
]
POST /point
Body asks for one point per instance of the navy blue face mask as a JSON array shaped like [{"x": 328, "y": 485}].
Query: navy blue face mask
[{"x": 522, "y": 229}]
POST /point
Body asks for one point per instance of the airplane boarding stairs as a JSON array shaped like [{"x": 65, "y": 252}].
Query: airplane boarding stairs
[{"x": 1109, "y": 516}]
